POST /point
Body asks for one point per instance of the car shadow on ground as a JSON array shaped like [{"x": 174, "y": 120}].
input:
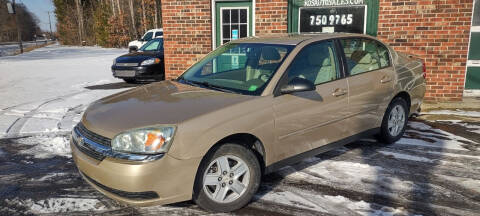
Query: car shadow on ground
[{"x": 421, "y": 191}]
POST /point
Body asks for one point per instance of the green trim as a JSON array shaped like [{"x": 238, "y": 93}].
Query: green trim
[
  {"x": 474, "y": 52},
  {"x": 473, "y": 78},
  {"x": 218, "y": 5},
  {"x": 372, "y": 15}
]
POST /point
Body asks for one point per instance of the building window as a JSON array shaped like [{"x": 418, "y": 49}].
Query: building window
[{"x": 234, "y": 23}]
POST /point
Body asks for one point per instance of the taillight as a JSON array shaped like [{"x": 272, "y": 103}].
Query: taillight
[{"x": 424, "y": 70}]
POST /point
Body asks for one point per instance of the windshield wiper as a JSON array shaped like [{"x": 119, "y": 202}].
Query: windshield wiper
[{"x": 206, "y": 84}]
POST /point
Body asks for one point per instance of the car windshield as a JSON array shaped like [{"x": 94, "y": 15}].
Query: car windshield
[
  {"x": 243, "y": 68},
  {"x": 147, "y": 36},
  {"x": 153, "y": 45}
]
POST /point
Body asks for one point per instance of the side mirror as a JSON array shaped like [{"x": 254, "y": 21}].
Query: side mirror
[
  {"x": 297, "y": 84},
  {"x": 132, "y": 49}
]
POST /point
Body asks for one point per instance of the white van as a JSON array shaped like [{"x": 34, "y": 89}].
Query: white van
[{"x": 149, "y": 35}]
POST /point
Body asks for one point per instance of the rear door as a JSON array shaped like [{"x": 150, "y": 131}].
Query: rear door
[
  {"x": 306, "y": 120},
  {"x": 370, "y": 80}
]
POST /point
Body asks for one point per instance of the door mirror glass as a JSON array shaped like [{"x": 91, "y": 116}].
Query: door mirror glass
[
  {"x": 132, "y": 49},
  {"x": 297, "y": 84}
]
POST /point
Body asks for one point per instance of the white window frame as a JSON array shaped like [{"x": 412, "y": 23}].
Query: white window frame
[
  {"x": 471, "y": 63},
  {"x": 214, "y": 24},
  {"x": 221, "y": 19}
]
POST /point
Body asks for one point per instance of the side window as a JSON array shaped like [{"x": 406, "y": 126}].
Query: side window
[
  {"x": 152, "y": 46},
  {"x": 158, "y": 34},
  {"x": 316, "y": 62},
  {"x": 361, "y": 55},
  {"x": 384, "y": 56}
]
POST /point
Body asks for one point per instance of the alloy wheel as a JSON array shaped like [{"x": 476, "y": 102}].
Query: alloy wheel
[
  {"x": 226, "y": 179},
  {"x": 396, "y": 120}
]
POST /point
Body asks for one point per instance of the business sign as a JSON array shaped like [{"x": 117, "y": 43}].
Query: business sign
[
  {"x": 350, "y": 19},
  {"x": 319, "y": 3}
]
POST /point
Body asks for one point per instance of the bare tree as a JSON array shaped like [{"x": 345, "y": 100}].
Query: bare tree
[
  {"x": 119, "y": 8},
  {"x": 156, "y": 13},
  {"x": 144, "y": 17},
  {"x": 113, "y": 7},
  {"x": 132, "y": 15},
  {"x": 80, "y": 20}
]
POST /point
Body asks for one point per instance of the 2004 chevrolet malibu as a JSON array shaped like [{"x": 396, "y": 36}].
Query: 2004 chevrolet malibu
[{"x": 246, "y": 109}]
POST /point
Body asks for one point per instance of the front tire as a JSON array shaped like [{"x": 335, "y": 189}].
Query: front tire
[
  {"x": 394, "y": 121},
  {"x": 227, "y": 179}
]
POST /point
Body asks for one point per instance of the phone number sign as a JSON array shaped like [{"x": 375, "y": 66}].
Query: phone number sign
[{"x": 333, "y": 19}]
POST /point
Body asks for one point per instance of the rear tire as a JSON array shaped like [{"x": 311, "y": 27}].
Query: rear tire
[
  {"x": 394, "y": 121},
  {"x": 231, "y": 169},
  {"x": 130, "y": 81}
]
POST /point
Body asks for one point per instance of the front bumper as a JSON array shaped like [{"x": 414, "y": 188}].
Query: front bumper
[
  {"x": 151, "y": 72},
  {"x": 163, "y": 181}
]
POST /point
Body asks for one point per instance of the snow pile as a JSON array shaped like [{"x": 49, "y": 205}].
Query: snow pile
[
  {"x": 46, "y": 147},
  {"x": 58, "y": 205}
]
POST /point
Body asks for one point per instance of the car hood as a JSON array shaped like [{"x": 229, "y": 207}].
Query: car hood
[
  {"x": 165, "y": 102},
  {"x": 137, "y": 57}
]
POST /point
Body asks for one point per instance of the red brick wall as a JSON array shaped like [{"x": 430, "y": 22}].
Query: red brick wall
[
  {"x": 271, "y": 16},
  {"x": 437, "y": 31},
  {"x": 187, "y": 33}
]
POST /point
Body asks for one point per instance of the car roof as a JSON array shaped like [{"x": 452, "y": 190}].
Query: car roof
[
  {"x": 155, "y": 30},
  {"x": 294, "y": 38}
]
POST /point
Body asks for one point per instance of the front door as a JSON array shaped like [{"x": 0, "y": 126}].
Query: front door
[
  {"x": 472, "y": 81},
  {"x": 307, "y": 120},
  {"x": 232, "y": 21}
]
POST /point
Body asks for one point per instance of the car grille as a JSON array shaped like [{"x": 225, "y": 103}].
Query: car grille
[
  {"x": 93, "y": 136},
  {"x": 126, "y": 64},
  {"x": 89, "y": 151},
  {"x": 129, "y": 195}
]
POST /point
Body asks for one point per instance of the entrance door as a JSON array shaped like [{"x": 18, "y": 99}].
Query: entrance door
[
  {"x": 232, "y": 21},
  {"x": 472, "y": 79}
]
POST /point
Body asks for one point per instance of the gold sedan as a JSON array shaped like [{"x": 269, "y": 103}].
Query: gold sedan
[{"x": 246, "y": 109}]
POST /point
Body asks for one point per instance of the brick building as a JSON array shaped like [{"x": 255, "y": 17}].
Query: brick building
[{"x": 444, "y": 33}]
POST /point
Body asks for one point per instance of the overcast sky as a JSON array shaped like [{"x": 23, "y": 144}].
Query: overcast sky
[{"x": 40, "y": 9}]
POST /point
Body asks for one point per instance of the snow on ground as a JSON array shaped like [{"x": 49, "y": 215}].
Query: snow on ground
[
  {"x": 433, "y": 169},
  {"x": 457, "y": 112},
  {"x": 46, "y": 90}
]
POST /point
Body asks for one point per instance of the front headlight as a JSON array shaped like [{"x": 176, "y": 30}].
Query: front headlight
[
  {"x": 114, "y": 61},
  {"x": 150, "y": 61},
  {"x": 151, "y": 140}
]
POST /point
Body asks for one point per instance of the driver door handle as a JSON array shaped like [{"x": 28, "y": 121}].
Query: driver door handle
[{"x": 339, "y": 92}]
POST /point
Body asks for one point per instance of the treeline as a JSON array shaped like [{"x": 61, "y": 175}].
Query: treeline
[
  {"x": 107, "y": 23},
  {"x": 27, "y": 22}
]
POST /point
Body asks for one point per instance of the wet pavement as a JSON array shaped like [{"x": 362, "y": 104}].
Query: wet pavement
[{"x": 433, "y": 170}]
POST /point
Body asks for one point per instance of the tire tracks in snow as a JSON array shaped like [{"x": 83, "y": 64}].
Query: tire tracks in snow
[{"x": 15, "y": 128}]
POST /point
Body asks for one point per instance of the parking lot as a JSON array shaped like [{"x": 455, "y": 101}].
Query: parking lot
[{"x": 433, "y": 170}]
